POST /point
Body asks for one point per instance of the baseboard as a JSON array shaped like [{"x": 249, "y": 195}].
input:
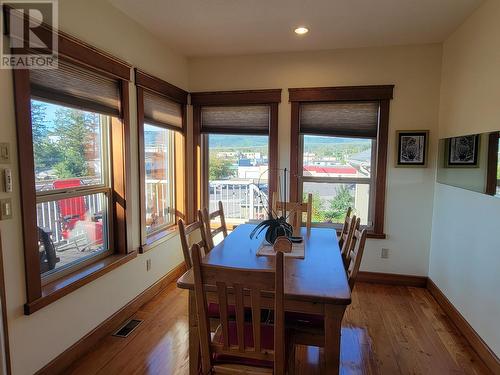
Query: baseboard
[
  {"x": 392, "y": 279},
  {"x": 82, "y": 346},
  {"x": 477, "y": 343}
]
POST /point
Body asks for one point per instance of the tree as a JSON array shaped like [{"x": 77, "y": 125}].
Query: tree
[
  {"x": 74, "y": 129},
  {"x": 318, "y": 213},
  {"x": 339, "y": 205},
  {"x": 45, "y": 152},
  {"x": 220, "y": 168}
]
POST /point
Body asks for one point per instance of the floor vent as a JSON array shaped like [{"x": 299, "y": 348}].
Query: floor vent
[{"x": 128, "y": 328}]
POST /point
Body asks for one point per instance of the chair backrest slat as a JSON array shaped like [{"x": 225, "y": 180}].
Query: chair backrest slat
[
  {"x": 185, "y": 233},
  {"x": 295, "y": 210},
  {"x": 243, "y": 288},
  {"x": 207, "y": 218},
  {"x": 240, "y": 316},
  {"x": 355, "y": 255},
  {"x": 345, "y": 228},
  {"x": 224, "y": 313},
  {"x": 256, "y": 318},
  {"x": 348, "y": 243}
]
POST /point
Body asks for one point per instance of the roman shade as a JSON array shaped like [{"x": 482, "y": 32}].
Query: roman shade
[
  {"x": 77, "y": 87},
  {"x": 159, "y": 110},
  {"x": 248, "y": 119},
  {"x": 355, "y": 119}
]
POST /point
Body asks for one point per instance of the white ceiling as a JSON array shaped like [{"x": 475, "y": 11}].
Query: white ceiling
[{"x": 215, "y": 27}]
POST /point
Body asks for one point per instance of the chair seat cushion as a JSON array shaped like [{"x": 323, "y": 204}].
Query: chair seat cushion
[
  {"x": 302, "y": 319},
  {"x": 266, "y": 342},
  {"x": 213, "y": 311}
]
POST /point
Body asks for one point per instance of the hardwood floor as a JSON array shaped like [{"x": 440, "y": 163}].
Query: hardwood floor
[{"x": 386, "y": 330}]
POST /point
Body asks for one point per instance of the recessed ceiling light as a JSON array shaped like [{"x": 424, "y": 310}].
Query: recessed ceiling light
[{"x": 301, "y": 30}]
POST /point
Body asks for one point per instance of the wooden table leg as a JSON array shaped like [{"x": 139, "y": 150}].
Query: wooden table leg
[
  {"x": 333, "y": 325},
  {"x": 194, "y": 341}
]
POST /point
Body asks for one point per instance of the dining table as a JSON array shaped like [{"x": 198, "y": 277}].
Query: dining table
[{"x": 316, "y": 284}]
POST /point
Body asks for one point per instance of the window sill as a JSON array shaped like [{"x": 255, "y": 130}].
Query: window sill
[
  {"x": 69, "y": 283},
  {"x": 378, "y": 236},
  {"x": 372, "y": 234},
  {"x": 158, "y": 238}
]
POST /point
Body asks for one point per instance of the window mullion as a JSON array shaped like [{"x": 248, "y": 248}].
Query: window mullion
[{"x": 53, "y": 196}]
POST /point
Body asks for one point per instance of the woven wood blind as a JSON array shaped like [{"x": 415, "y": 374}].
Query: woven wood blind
[
  {"x": 356, "y": 119},
  {"x": 78, "y": 87},
  {"x": 159, "y": 110},
  {"x": 249, "y": 119}
]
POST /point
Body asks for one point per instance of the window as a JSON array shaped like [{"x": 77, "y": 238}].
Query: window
[
  {"x": 160, "y": 184},
  {"x": 238, "y": 171},
  {"x": 337, "y": 172},
  {"x": 342, "y": 137},
  {"x": 72, "y": 185},
  {"x": 235, "y": 140},
  {"x": 72, "y": 125},
  {"x": 161, "y": 109}
]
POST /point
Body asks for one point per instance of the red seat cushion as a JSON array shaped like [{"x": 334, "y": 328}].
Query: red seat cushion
[
  {"x": 311, "y": 320},
  {"x": 266, "y": 342},
  {"x": 213, "y": 311}
]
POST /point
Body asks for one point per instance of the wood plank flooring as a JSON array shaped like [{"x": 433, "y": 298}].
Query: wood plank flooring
[{"x": 386, "y": 330}]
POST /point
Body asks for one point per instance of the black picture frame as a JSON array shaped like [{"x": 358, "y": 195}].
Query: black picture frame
[
  {"x": 411, "y": 150},
  {"x": 463, "y": 151}
]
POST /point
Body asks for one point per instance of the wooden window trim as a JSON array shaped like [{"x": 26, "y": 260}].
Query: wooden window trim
[
  {"x": 271, "y": 97},
  {"x": 69, "y": 283},
  {"x": 161, "y": 87},
  {"x": 238, "y": 97},
  {"x": 72, "y": 49},
  {"x": 382, "y": 94},
  {"x": 491, "y": 174},
  {"x": 143, "y": 82}
]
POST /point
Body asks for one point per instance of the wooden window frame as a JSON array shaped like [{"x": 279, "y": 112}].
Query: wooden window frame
[
  {"x": 143, "y": 82},
  {"x": 270, "y": 97},
  {"x": 80, "y": 53},
  {"x": 381, "y": 93},
  {"x": 492, "y": 167}
]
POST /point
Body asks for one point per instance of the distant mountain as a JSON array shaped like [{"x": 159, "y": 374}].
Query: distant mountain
[
  {"x": 236, "y": 141},
  {"x": 243, "y": 141}
]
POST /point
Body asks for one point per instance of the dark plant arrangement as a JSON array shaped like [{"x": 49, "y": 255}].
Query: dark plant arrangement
[{"x": 275, "y": 226}]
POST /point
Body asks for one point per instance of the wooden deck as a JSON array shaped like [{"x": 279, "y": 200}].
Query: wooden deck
[{"x": 386, "y": 330}]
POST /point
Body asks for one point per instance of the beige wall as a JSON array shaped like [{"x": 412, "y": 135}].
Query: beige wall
[
  {"x": 469, "y": 97},
  {"x": 37, "y": 339},
  {"x": 465, "y": 256},
  {"x": 470, "y": 79},
  {"x": 415, "y": 70}
]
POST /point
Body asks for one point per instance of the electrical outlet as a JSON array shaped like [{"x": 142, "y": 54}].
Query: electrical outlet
[
  {"x": 384, "y": 254},
  {"x": 4, "y": 153},
  {"x": 5, "y": 209},
  {"x": 148, "y": 264}
]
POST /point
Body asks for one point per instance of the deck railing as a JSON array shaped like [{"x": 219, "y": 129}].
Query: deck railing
[{"x": 242, "y": 200}]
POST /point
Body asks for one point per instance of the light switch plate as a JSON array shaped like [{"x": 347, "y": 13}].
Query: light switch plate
[
  {"x": 5, "y": 209},
  {"x": 384, "y": 254},
  {"x": 4, "y": 153}
]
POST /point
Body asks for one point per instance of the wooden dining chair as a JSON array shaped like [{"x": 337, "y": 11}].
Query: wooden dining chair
[
  {"x": 197, "y": 230},
  {"x": 240, "y": 347},
  {"x": 207, "y": 218},
  {"x": 186, "y": 232},
  {"x": 355, "y": 255},
  {"x": 308, "y": 329},
  {"x": 296, "y": 210},
  {"x": 345, "y": 228},
  {"x": 349, "y": 240}
]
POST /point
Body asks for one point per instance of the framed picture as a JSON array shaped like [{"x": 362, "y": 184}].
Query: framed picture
[
  {"x": 463, "y": 152},
  {"x": 412, "y": 148}
]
